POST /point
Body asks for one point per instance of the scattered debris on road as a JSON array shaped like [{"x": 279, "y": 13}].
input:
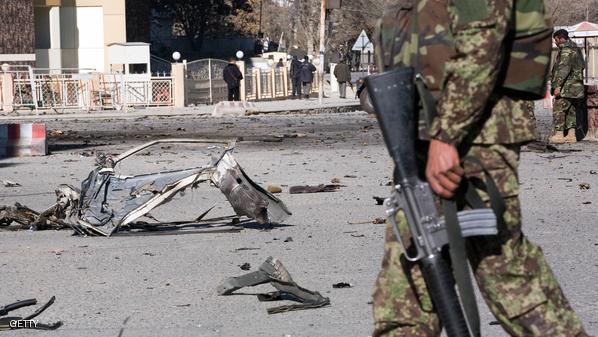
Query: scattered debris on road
[
  {"x": 379, "y": 221},
  {"x": 56, "y": 133},
  {"x": 288, "y": 239},
  {"x": 109, "y": 201},
  {"x": 539, "y": 147},
  {"x": 274, "y": 189},
  {"x": 67, "y": 199},
  {"x": 314, "y": 189},
  {"x": 342, "y": 285},
  {"x": 295, "y": 135},
  {"x": 245, "y": 266},
  {"x": 8, "y": 183},
  {"x": 87, "y": 153},
  {"x": 272, "y": 271},
  {"x": 584, "y": 186},
  {"x": 246, "y": 248},
  {"x": 27, "y": 322},
  {"x": 335, "y": 180},
  {"x": 379, "y": 200}
]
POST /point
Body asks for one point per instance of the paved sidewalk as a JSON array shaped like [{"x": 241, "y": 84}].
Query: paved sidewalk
[{"x": 279, "y": 106}]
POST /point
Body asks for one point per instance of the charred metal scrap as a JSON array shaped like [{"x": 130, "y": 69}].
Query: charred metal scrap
[
  {"x": 273, "y": 271},
  {"x": 27, "y": 322},
  {"x": 67, "y": 198},
  {"x": 108, "y": 201}
]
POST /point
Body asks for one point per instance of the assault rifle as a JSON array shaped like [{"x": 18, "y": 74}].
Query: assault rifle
[{"x": 394, "y": 96}]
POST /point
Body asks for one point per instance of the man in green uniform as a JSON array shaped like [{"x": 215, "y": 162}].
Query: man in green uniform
[
  {"x": 567, "y": 87},
  {"x": 475, "y": 118}
]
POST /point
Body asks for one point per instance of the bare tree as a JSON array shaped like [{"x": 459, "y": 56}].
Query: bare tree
[
  {"x": 567, "y": 13},
  {"x": 298, "y": 21}
]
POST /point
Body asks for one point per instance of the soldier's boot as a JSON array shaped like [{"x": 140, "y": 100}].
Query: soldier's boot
[
  {"x": 571, "y": 138},
  {"x": 557, "y": 138}
]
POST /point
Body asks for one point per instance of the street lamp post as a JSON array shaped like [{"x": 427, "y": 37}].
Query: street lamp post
[{"x": 322, "y": 51}]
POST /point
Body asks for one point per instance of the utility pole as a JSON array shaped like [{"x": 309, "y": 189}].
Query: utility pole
[
  {"x": 322, "y": 51},
  {"x": 260, "y": 29}
]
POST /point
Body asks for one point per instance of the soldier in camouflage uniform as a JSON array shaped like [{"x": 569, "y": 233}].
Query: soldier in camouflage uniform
[
  {"x": 475, "y": 118},
  {"x": 567, "y": 87}
]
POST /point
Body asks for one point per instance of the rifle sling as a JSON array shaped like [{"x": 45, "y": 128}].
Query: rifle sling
[
  {"x": 461, "y": 267},
  {"x": 496, "y": 200},
  {"x": 457, "y": 243}
]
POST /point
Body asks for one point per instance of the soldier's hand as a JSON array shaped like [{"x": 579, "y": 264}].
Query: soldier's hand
[
  {"x": 443, "y": 170},
  {"x": 557, "y": 91}
]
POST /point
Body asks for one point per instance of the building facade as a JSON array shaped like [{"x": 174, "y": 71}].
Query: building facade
[
  {"x": 76, "y": 33},
  {"x": 61, "y": 34}
]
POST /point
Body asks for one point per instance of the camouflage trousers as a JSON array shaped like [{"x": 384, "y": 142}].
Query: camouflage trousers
[
  {"x": 511, "y": 272},
  {"x": 565, "y": 112}
]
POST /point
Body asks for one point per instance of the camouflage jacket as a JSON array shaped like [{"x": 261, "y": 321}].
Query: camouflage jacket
[
  {"x": 567, "y": 71},
  {"x": 470, "y": 107}
]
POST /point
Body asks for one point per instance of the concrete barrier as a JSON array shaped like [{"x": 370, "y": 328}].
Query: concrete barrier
[{"x": 23, "y": 140}]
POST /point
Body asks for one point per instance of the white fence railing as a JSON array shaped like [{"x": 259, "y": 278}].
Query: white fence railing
[{"x": 42, "y": 90}]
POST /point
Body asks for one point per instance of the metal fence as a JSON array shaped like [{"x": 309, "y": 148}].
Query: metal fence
[
  {"x": 279, "y": 86},
  {"x": 50, "y": 89},
  {"x": 270, "y": 83},
  {"x": 266, "y": 84},
  {"x": 250, "y": 78},
  {"x": 117, "y": 91},
  {"x": 23, "y": 84},
  {"x": 204, "y": 82},
  {"x": 61, "y": 91}
]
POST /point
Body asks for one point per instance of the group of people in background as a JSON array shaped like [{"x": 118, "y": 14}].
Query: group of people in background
[
  {"x": 301, "y": 73},
  {"x": 302, "y": 76}
]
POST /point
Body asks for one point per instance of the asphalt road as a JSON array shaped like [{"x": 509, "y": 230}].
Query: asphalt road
[{"x": 163, "y": 284}]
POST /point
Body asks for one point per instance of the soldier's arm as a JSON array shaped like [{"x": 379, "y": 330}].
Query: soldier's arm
[
  {"x": 471, "y": 75},
  {"x": 563, "y": 68}
]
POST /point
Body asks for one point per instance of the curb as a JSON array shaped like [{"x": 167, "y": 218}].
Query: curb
[{"x": 188, "y": 113}]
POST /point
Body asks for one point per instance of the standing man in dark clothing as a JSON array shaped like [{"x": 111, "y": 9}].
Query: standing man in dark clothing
[
  {"x": 232, "y": 76},
  {"x": 343, "y": 75},
  {"x": 307, "y": 75},
  {"x": 296, "y": 76}
]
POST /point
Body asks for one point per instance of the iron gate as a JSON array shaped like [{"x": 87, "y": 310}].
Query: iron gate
[{"x": 204, "y": 82}]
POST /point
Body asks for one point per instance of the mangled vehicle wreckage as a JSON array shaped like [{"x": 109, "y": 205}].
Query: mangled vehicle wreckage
[{"x": 109, "y": 201}]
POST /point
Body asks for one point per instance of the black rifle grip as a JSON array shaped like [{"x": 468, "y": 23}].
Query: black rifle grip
[{"x": 441, "y": 285}]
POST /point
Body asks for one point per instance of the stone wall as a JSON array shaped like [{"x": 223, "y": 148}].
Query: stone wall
[{"x": 17, "y": 35}]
